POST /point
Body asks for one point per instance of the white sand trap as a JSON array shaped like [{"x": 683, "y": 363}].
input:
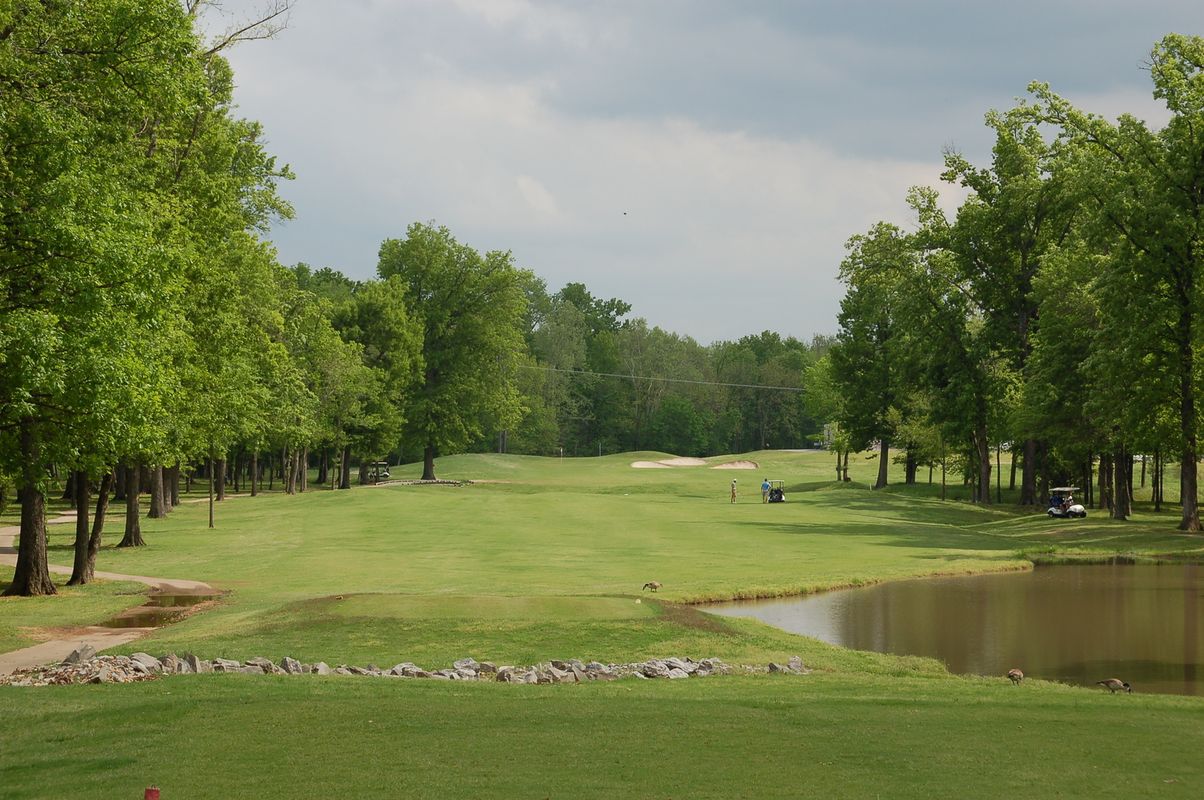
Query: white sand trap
[
  {"x": 737, "y": 465},
  {"x": 682, "y": 462},
  {"x": 649, "y": 465}
]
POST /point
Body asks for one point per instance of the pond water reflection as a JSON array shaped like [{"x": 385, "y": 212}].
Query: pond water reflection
[{"x": 1075, "y": 624}]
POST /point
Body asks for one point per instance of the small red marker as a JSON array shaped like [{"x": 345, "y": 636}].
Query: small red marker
[{"x": 152, "y": 793}]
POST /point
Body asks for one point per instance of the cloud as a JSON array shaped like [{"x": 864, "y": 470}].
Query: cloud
[{"x": 702, "y": 160}]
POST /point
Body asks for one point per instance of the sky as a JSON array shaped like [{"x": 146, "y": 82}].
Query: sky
[{"x": 704, "y": 161}]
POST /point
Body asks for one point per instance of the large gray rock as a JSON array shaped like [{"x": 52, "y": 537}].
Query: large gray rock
[
  {"x": 506, "y": 675},
  {"x": 291, "y": 666},
  {"x": 321, "y": 668},
  {"x": 85, "y": 652},
  {"x": 653, "y": 669},
  {"x": 556, "y": 674},
  {"x": 252, "y": 669},
  {"x": 486, "y": 667},
  {"x": 579, "y": 674},
  {"x": 197, "y": 665},
  {"x": 265, "y": 665},
  {"x": 174, "y": 664},
  {"x": 675, "y": 674},
  {"x": 796, "y": 664},
  {"x": 226, "y": 665},
  {"x": 466, "y": 674},
  {"x": 467, "y": 664},
  {"x": 151, "y": 663}
]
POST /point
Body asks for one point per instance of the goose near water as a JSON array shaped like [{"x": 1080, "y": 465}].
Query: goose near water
[
  {"x": 1015, "y": 676},
  {"x": 1115, "y": 685},
  {"x": 653, "y": 585}
]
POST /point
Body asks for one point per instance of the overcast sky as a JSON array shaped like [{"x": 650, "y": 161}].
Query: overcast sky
[{"x": 704, "y": 161}]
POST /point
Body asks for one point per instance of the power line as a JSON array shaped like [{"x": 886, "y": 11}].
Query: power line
[{"x": 663, "y": 380}]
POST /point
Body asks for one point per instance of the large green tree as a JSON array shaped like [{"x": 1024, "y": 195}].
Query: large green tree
[
  {"x": 1146, "y": 187},
  {"x": 470, "y": 308}
]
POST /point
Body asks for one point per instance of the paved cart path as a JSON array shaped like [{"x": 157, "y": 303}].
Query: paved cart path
[{"x": 57, "y": 649}]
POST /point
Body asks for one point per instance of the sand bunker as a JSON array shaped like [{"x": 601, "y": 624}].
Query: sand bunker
[
  {"x": 737, "y": 465},
  {"x": 665, "y": 463}
]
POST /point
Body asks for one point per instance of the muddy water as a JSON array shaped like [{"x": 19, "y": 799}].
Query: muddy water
[
  {"x": 1075, "y": 624},
  {"x": 159, "y": 610}
]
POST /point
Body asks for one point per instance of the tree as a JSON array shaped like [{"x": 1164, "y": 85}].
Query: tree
[
  {"x": 81, "y": 261},
  {"x": 1146, "y": 186},
  {"x": 470, "y": 308}
]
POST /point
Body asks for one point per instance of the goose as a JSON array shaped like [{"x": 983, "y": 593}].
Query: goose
[
  {"x": 1015, "y": 675},
  {"x": 653, "y": 585},
  {"x": 1115, "y": 685}
]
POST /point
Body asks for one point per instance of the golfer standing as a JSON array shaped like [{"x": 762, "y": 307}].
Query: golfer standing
[
  {"x": 733, "y": 490},
  {"x": 765, "y": 491}
]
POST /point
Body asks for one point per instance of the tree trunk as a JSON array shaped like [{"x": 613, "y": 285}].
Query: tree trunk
[
  {"x": 998, "y": 473},
  {"x": 428, "y": 463},
  {"x": 983, "y": 489},
  {"x": 883, "y": 462},
  {"x": 79, "y": 567},
  {"x": 1015, "y": 459},
  {"x": 838, "y": 463},
  {"x": 133, "y": 528},
  {"x": 98, "y": 525},
  {"x": 345, "y": 468},
  {"x": 271, "y": 472},
  {"x": 219, "y": 478},
  {"x": 254, "y": 473},
  {"x": 1143, "y": 458},
  {"x": 32, "y": 575},
  {"x": 1156, "y": 481},
  {"x": 1188, "y": 462},
  {"x": 290, "y": 471},
  {"x": 119, "y": 471},
  {"x": 1028, "y": 479},
  {"x": 910, "y": 468},
  {"x": 303, "y": 465},
  {"x": 156, "y": 493},
  {"x": 210, "y": 492},
  {"x": 323, "y": 464},
  {"x": 69, "y": 487},
  {"x": 1105, "y": 482},
  {"x": 1120, "y": 494},
  {"x": 174, "y": 484},
  {"x": 845, "y": 478}
]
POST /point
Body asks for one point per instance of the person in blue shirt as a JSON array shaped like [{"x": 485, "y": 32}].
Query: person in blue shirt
[{"x": 765, "y": 491}]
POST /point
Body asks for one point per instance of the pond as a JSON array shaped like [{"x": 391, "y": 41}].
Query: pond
[{"x": 1075, "y": 624}]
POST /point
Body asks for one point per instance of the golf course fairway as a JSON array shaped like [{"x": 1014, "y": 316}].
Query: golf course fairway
[{"x": 544, "y": 558}]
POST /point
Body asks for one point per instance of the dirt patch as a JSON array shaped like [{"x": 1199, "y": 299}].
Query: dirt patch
[
  {"x": 649, "y": 465},
  {"x": 690, "y": 617},
  {"x": 737, "y": 465}
]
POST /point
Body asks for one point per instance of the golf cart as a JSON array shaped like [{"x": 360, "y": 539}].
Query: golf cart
[
  {"x": 1062, "y": 503},
  {"x": 777, "y": 493}
]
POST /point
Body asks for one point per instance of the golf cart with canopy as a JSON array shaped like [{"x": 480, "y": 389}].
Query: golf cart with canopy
[
  {"x": 1062, "y": 503},
  {"x": 777, "y": 491}
]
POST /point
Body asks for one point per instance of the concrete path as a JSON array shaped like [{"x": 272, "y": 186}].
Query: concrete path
[{"x": 56, "y": 650}]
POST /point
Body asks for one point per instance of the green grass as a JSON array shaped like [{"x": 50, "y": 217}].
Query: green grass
[
  {"x": 545, "y": 558},
  {"x": 774, "y": 736}
]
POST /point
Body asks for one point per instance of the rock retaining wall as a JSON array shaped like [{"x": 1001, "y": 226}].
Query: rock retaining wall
[{"x": 85, "y": 666}]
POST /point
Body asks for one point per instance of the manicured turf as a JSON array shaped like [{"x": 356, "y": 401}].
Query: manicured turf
[
  {"x": 816, "y": 736},
  {"x": 545, "y": 558}
]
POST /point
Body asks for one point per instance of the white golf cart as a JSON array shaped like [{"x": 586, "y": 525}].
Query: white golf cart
[{"x": 1062, "y": 503}]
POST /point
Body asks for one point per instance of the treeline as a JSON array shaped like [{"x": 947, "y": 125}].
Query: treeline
[
  {"x": 1057, "y": 314},
  {"x": 151, "y": 338}
]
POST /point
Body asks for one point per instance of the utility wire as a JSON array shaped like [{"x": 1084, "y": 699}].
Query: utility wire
[{"x": 664, "y": 380}]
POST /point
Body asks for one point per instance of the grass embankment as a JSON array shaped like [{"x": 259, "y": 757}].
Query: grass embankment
[
  {"x": 819, "y": 736},
  {"x": 545, "y": 558}
]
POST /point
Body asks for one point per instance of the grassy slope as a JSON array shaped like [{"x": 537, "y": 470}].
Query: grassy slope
[{"x": 547, "y": 562}]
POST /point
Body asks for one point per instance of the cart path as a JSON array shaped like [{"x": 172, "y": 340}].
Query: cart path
[{"x": 55, "y": 650}]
